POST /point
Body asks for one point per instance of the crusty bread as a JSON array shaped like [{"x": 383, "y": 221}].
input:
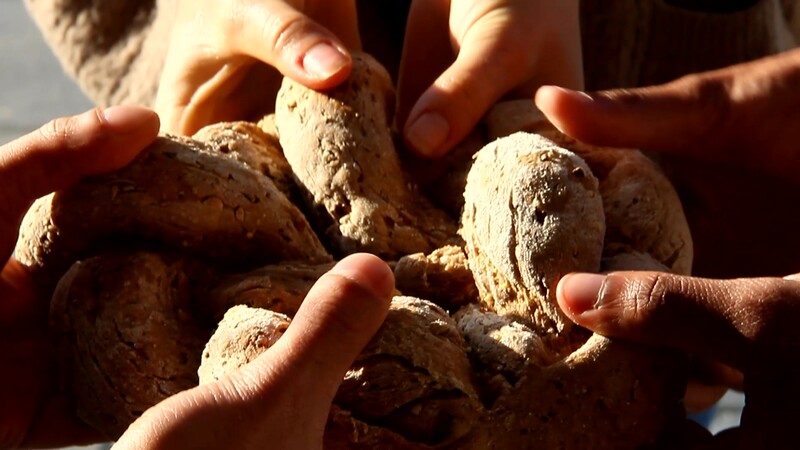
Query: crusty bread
[
  {"x": 411, "y": 385},
  {"x": 177, "y": 194},
  {"x": 251, "y": 145},
  {"x": 339, "y": 144},
  {"x": 532, "y": 214},
  {"x": 129, "y": 338},
  {"x": 442, "y": 276},
  {"x": 495, "y": 365},
  {"x": 277, "y": 287},
  {"x": 241, "y": 336},
  {"x": 643, "y": 211}
]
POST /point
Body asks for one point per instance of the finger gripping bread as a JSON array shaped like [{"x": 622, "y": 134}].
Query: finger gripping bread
[
  {"x": 129, "y": 334},
  {"x": 412, "y": 382}
]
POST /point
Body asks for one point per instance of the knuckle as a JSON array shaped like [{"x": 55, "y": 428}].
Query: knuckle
[
  {"x": 468, "y": 98},
  {"x": 769, "y": 316},
  {"x": 655, "y": 300},
  {"x": 712, "y": 94},
  {"x": 57, "y": 132},
  {"x": 649, "y": 296},
  {"x": 283, "y": 33},
  {"x": 72, "y": 132},
  {"x": 627, "y": 97}
]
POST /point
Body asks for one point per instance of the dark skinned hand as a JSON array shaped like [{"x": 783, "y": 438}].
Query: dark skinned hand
[{"x": 729, "y": 139}]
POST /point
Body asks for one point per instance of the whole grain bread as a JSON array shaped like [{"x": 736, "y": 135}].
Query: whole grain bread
[{"x": 339, "y": 144}]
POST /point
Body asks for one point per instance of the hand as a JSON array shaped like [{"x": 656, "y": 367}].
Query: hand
[
  {"x": 728, "y": 138},
  {"x": 748, "y": 324},
  {"x": 461, "y": 56},
  {"x": 57, "y": 155},
  {"x": 729, "y": 141},
  {"x": 282, "y": 398},
  {"x": 221, "y": 55}
]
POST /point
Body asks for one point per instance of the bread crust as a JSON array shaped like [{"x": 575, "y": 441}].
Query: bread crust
[
  {"x": 643, "y": 211},
  {"x": 178, "y": 194},
  {"x": 532, "y": 214},
  {"x": 442, "y": 276},
  {"x": 128, "y": 335},
  {"x": 339, "y": 144},
  {"x": 242, "y": 335}
]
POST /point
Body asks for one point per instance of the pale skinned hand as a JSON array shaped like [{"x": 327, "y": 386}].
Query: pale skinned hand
[
  {"x": 32, "y": 412},
  {"x": 729, "y": 139},
  {"x": 282, "y": 399},
  {"x": 223, "y": 55},
  {"x": 461, "y": 56}
]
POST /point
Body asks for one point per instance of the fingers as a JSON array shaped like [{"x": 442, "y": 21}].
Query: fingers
[
  {"x": 743, "y": 114},
  {"x": 674, "y": 116},
  {"x": 427, "y": 53},
  {"x": 739, "y": 322},
  {"x": 339, "y": 316},
  {"x": 299, "y": 47},
  {"x": 225, "y": 59},
  {"x": 446, "y": 112},
  {"x": 492, "y": 49},
  {"x": 63, "y": 151}
]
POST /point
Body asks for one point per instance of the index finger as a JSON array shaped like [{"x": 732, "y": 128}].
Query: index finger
[
  {"x": 338, "y": 317},
  {"x": 742, "y": 322}
]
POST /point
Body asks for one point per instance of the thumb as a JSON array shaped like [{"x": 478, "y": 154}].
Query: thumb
[
  {"x": 313, "y": 53},
  {"x": 719, "y": 116},
  {"x": 739, "y": 322},
  {"x": 63, "y": 151},
  {"x": 338, "y": 317},
  {"x": 282, "y": 398}
]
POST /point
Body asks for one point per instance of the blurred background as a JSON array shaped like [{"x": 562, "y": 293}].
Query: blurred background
[{"x": 34, "y": 90}]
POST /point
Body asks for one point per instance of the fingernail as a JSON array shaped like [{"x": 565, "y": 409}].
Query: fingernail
[
  {"x": 367, "y": 270},
  {"x": 580, "y": 291},
  {"x": 428, "y": 133},
  {"x": 576, "y": 95},
  {"x": 127, "y": 118},
  {"x": 324, "y": 60}
]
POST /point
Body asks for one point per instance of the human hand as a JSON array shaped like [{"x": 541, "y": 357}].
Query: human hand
[
  {"x": 221, "y": 55},
  {"x": 728, "y": 139},
  {"x": 748, "y": 324},
  {"x": 460, "y": 57},
  {"x": 283, "y": 397},
  {"x": 32, "y": 412},
  {"x": 729, "y": 142}
]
